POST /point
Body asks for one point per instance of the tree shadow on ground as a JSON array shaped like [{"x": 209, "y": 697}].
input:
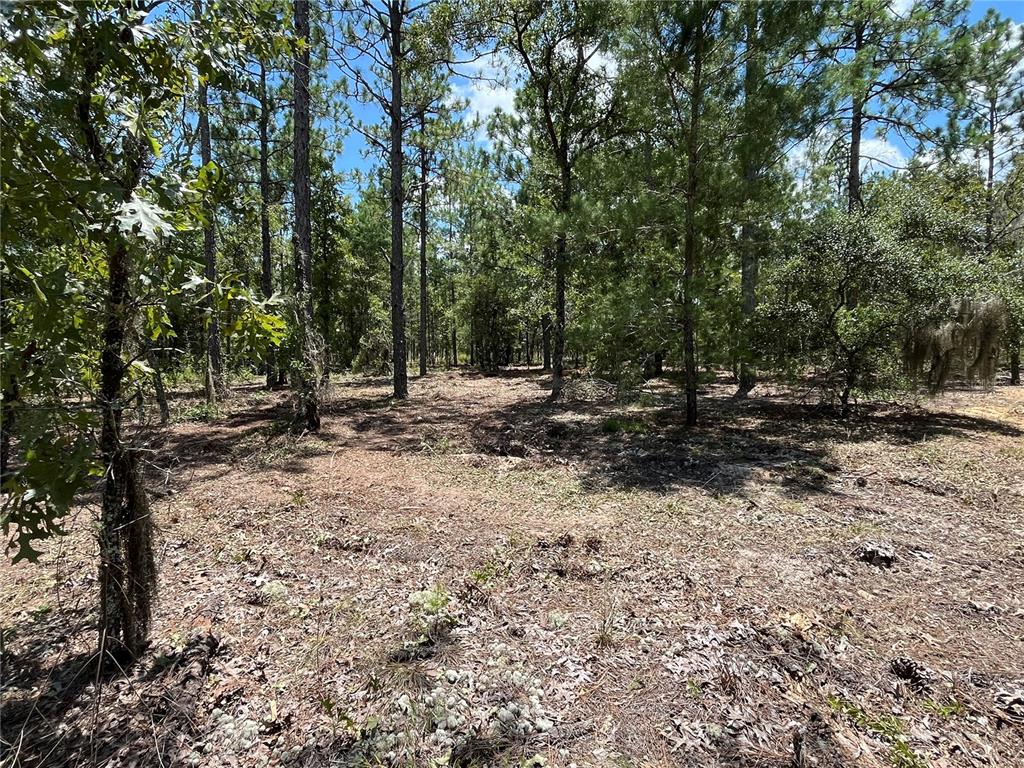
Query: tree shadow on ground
[
  {"x": 785, "y": 443},
  {"x": 258, "y": 434},
  {"x": 778, "y": 440},
  {"x": 62, "y": 708}
]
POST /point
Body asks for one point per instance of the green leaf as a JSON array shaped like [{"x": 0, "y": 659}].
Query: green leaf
[{"x": 143, "y": 218}]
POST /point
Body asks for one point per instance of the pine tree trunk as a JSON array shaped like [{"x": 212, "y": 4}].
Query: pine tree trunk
[
  {"x": 308, "y": 373},
  {"x": 561, "y": 269},
  {"x": 546, "y": 340},
  {"x": 750, "y": 246},
  {"x": 423, "y": 250},
  {"x": 158, "y": 385},
  {"x": 215, "y": 386},
  {"x": 990, "y": 177},
  {"x": 1015, "y": 358},
  {"x": 455, "y": 331},
  {"x": 854, "y": 201},
  {"x": 398, "y": 346},
  {"x": 853, "y": 180},
  {"x": 690, "y": 234},
  {"x": 327, "y": 312},
  {"x": 266, "y": 265}
]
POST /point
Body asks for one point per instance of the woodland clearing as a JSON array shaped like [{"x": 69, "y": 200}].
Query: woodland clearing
[{"x": 480, "y": 576}]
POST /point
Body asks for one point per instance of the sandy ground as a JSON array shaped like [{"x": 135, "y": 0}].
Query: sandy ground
[{"x": 480, "y": 577}]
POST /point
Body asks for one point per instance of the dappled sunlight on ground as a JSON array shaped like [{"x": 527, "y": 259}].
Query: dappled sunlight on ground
[{"x": 480, "y": 576}]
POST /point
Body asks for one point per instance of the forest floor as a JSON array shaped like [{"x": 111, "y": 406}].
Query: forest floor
[{"x": 478, "y": 576}]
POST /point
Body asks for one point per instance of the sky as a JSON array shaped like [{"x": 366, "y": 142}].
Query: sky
[{"x": 484, "y": 96}]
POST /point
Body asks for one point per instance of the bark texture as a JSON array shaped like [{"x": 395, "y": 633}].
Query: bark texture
[
  {"x": 215, "y": 386},
  {"x": 424, "y": 161},
  {"x": 266, "y": 264},
  {"x": 400, "y": 378},
  {"x": 308, "y": 370},
  {"x": 690, "y": 233}
]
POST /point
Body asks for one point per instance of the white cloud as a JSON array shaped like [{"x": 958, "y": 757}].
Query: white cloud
[
  {"x": 604, "y": 63},
  {"x": 487, "y": 85},
  {"x": 901, "y": 7},
  {"x": 485, "y": 98},
  {"x": 1015, "y": 42},
  {"x": 878, "y": 154}
]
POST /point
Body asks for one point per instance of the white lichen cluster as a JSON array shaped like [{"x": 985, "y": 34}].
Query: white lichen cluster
[{"x": 425, "y": 725}]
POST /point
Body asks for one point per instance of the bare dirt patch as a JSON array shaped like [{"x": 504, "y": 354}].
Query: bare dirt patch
[{"x": 481, "y": 577}]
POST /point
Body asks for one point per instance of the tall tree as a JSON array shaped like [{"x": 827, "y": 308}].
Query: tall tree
[
  {"x": 308, "y": 369},
  {"x": 569, "y": 103},
  {"x": 374, "y": 32},
  {"x": 423, "y": 189},
  {"x": 895, "y": 65},
  {"x": 437, "y": 133},
  {"x": 389, "y": 45},
  {"x": 397, "y": 11},
  {"x": 694, "y": 56},
  {"x": 991, "y": 111},
  {"x": 214, "y": 366},
  {"x": 266, "y": 260},
  {"x": 781, "y": 100},
  {"x": 992, "y": 116}
]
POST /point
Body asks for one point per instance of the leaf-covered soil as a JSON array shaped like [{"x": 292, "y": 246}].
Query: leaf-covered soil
[{"x": 481, "y": 577}]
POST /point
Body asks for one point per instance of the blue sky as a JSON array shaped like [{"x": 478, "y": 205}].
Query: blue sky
[
  {"x": 1011, "y": 9},
  {"x": 484, "y": 97}
]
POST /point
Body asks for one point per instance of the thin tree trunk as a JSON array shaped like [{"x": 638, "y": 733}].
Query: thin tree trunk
[
  {"x": 849, "y": 383},
  {"x": 158, "y": 385},
  {"x": 455, "y": 330},
  {"x": 327, "y": 314},
  {"x": 750, "y": 245},
  {"x": 1015, "y": 358},
  {"x": 215, "y": 386},
  {"x": 308, "y": 375},
  {"x": 266, "y": 265},
  {"x": 854, "y": 201},
  {"x": 399, "y": 357},
  {"x": 853, "y": 179},
  {"x": 558, "y": 356},
  {"x": 325, "y": 376},
  {"x": 10, "y": 397},
  {"x": 561, "y": 269},
  {"x": 990, "y": 175},
  {"x": 546, "y": 340},
  {"x": 690, "y": 234},
  {"x": 451, "y": 251},
  {"x": 423, "y": 247},
  {"x": 127, "y": 570},
  {"x": 282, "y": 365}
]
